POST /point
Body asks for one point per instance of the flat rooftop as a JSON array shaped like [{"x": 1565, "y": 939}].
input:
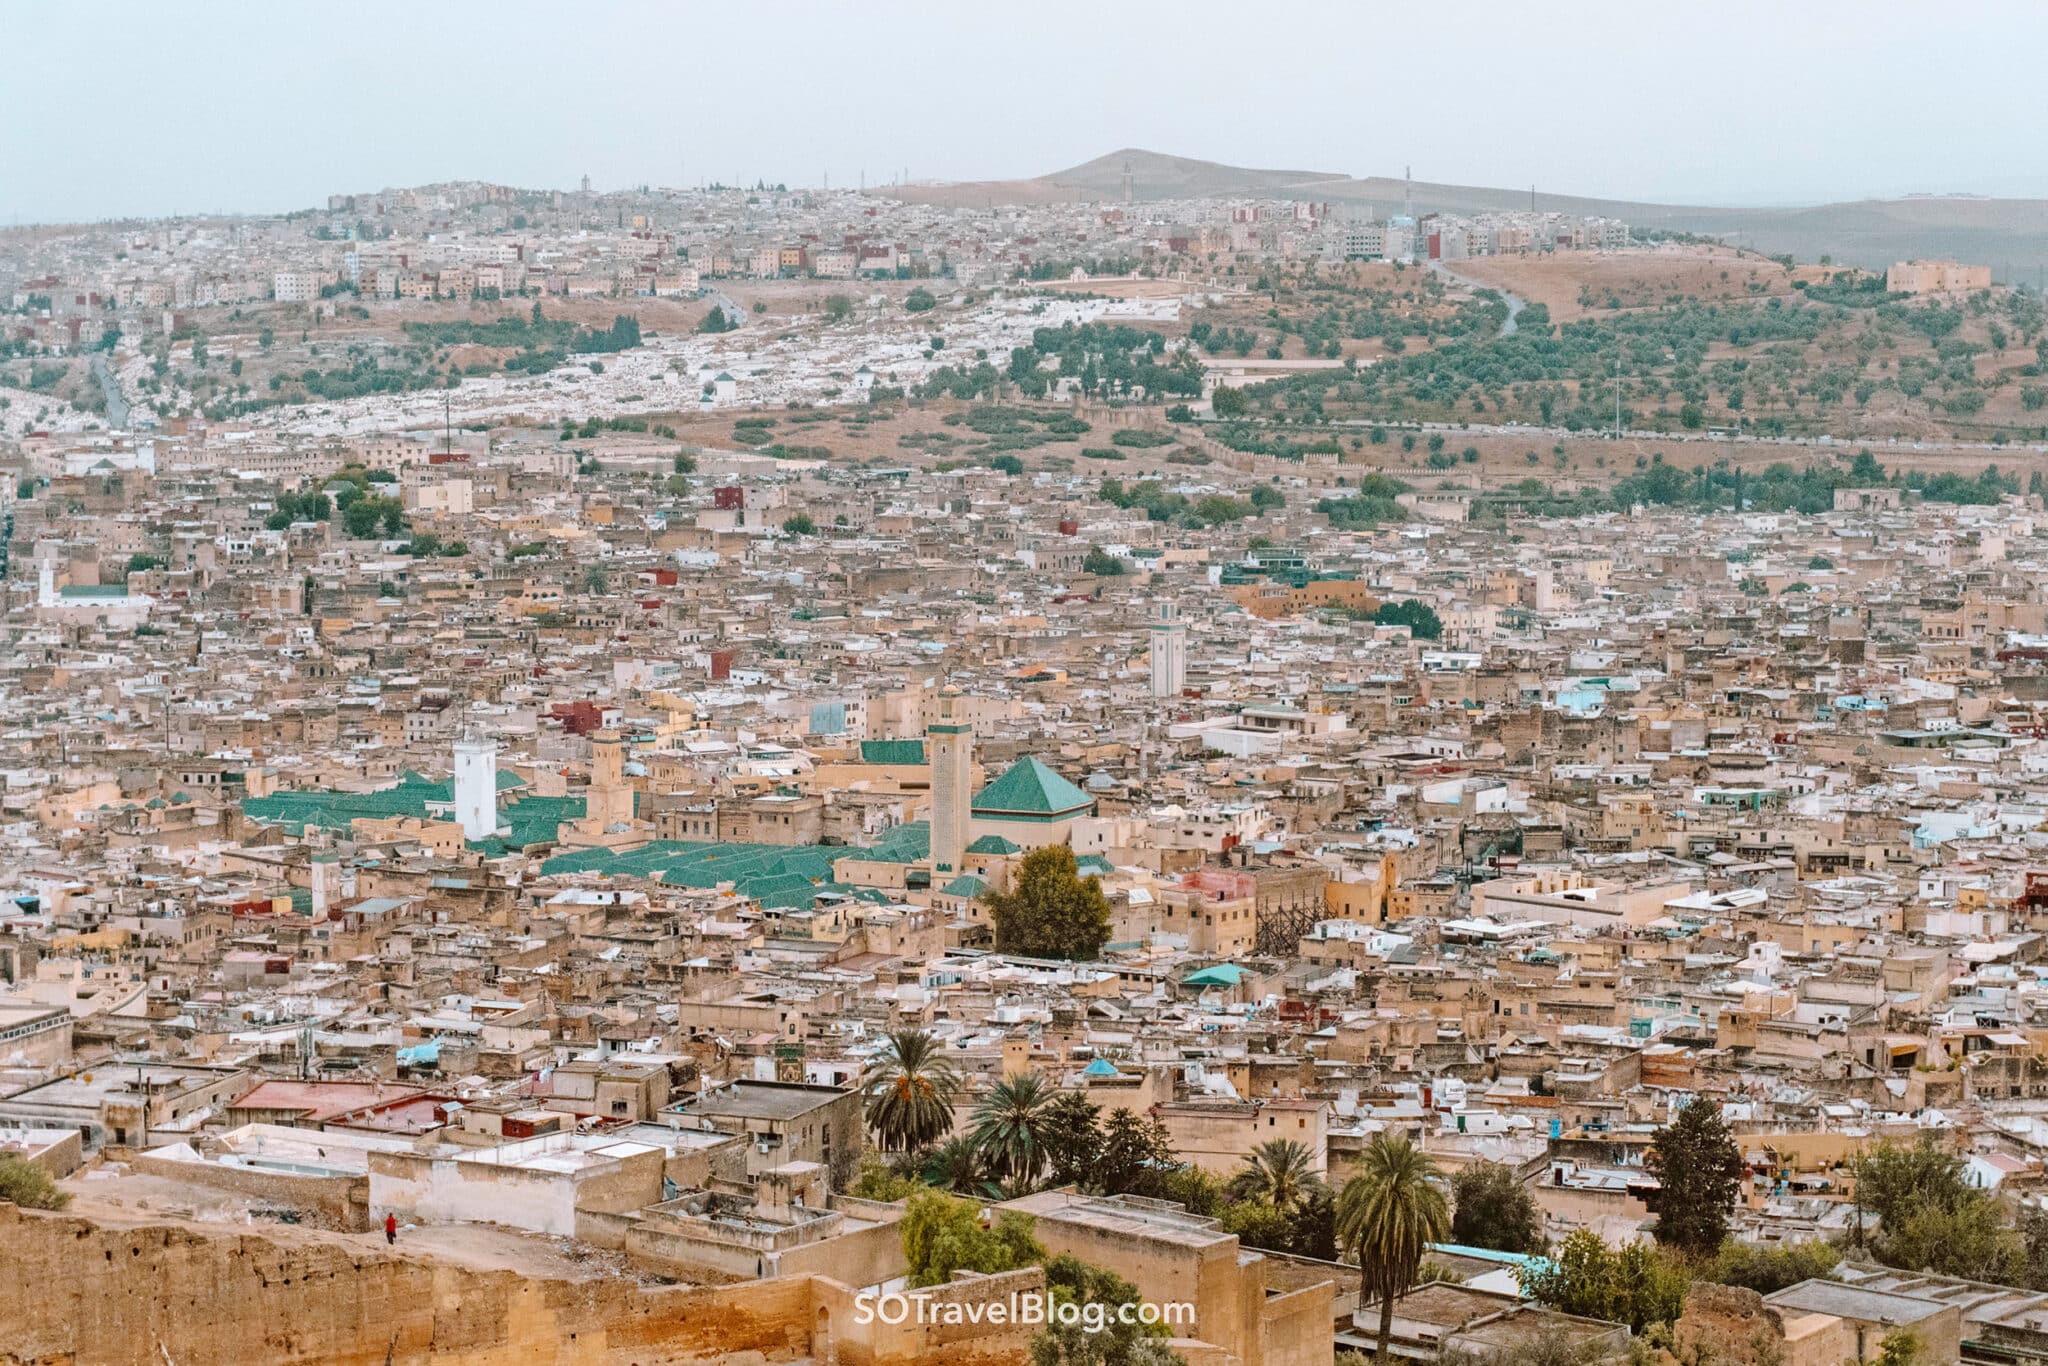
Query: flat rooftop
[
  {"x": 1854, "y": 1302},
  {"x": 1159, "y": 1224},
  {"x": 760, "y": 1100}
]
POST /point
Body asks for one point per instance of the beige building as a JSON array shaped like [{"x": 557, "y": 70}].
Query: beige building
[{"x": 1936, "y": 277}]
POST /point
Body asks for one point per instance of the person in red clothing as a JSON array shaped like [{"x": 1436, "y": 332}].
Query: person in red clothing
[{"x": 390, "y": 1228}]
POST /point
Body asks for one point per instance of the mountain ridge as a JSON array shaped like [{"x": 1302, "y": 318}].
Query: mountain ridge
[{"x": 2010, "y": 235}]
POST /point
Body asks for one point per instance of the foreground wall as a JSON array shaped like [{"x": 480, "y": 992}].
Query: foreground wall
[{"x": 74, "y": 1291}]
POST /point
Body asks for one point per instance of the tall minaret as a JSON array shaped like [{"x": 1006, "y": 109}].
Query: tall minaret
[
  {"x": 1169, "y": 651},
  {"x": 608, "y": 801},
  {"x": 951, "y": 738},
  {"x": 476, "y": 784}
]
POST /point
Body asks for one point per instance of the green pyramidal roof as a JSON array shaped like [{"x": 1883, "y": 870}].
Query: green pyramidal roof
[{"x": 1030, "y": 788}]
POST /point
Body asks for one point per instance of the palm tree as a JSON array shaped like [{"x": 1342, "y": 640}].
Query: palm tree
[
  {"x": 910, "y": 1088},
  {"x": 1008, "y": 1123},
  {"x": 958, "y": 1166},
  {"x": 1387, "y": 1216},
  {"x": 1281, "y": 1173}
]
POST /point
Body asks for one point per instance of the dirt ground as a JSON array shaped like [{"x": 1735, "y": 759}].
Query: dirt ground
[{"x": 1574, "y": 283}]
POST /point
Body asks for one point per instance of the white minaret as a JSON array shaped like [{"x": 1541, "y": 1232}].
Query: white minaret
[
  {"x": 1169, "y": 651},
  {"x": 951, "y": 739},
  {"x": 326, "y": 873},
  {"x": 476, "y": 784}
]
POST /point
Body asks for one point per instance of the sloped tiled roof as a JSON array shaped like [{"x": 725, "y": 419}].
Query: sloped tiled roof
[
  {"x": 1030, "y": 788},
  {"x": 892, "y": 751}
]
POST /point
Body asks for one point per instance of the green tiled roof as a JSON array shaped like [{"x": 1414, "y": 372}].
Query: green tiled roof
[
  {"x": 892, "y": 751},
  {"x": 1030, "y": 788},
  {"x": 776, "y": 875},
  {"x": 93, "y": 590},
  {"x": 529, "y": 820},
  {"x": 994, "y": 844},
  {"x": 906, "y": 843},
  {"x": 967, "y": 884}
]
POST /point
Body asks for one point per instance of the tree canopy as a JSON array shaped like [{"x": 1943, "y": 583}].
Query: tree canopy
[
  {"x": 1050, "y": 911},
  {"x": 1699, "y": 1174}
]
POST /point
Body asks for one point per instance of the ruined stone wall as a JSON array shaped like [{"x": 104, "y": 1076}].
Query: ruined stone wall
[
  {"x": 77, "y": 1292},
  {"x": 74, "y": 1291}
]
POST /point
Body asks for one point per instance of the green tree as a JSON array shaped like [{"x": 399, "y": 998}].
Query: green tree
[
  {"x": 1265, "y": 498},
  {"x": 943, "y": 1234},
  {"x": 959, "y": 1165},
  {"x": 800, "y": 525},
  {"x": 1900, "y": 1347},
  {"x": 880, "y": 1182},
  {"x": 1100, "y": 1336},
  {"x": 140, "y": 563},
  {"x": 1007, "y": 1126},
  {"x": 1387, "y": 1216},
  {"x": 1070, "y": 1133},
  {"x": 1282, "y": 1173},
  {"x": 1136, "y": 1157},
  {"x": 919, "y": 300},
  {"x": 1050, "y": 911},
  {"x": 1634, "y": 1285},
  {"x": 1493, "y": 1209},
  {"x": 1768, "y": 1270},
  {"x": 1419, "y": 617},
  {"x": 1101, "y": 563},
  {"x": 838, "y": 307},
  {"x": 1931, "y": 1219},
  {"x": 29, "y": 1185},
  {"x": 910, "y": 1088},
  {"x": 1229, "y": 402},
  {"x": 1699, "y": 1174}
]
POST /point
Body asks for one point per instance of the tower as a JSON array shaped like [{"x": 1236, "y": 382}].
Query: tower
[
  {"x": 609, "y": 801},
  {"x": 476, "y": 784},
  {"x": 1127, "y": 182},
  {"x": 951, "y": 737},
  {"x": 326, "y": 873},
  {"x": 1169, "y": 651}
]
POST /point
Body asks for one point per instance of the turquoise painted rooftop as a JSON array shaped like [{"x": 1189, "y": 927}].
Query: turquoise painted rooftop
[
  {"x": 1029, "y": 788},
  {"x": 967, "y": 885},
  {"x": 1221, "y": 975},
  {"x": 892, "y": 751},
  {"x": 779, "y": 876},
  {"x": 994, "y": 844}
]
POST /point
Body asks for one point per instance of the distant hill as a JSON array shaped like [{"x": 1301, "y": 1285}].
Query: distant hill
[{"x": 2009, "y": 235}]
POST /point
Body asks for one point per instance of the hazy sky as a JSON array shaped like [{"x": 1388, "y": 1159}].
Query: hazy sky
[{"x": 140, "y": 107}]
